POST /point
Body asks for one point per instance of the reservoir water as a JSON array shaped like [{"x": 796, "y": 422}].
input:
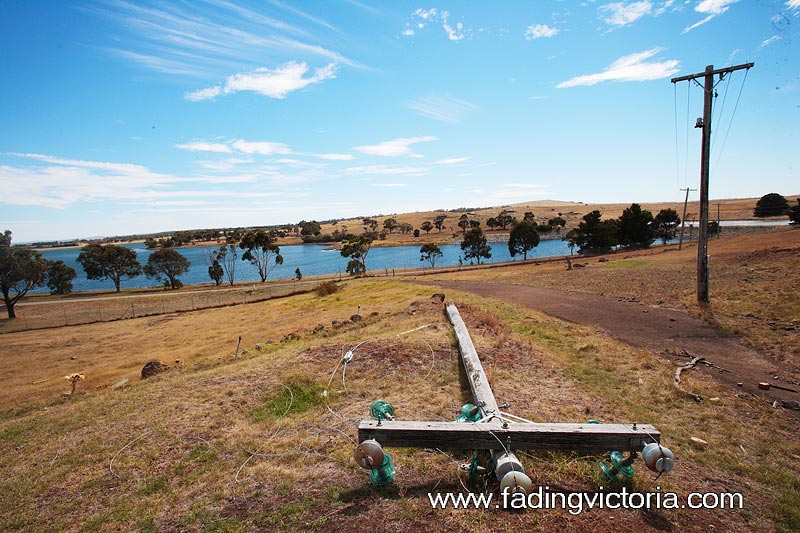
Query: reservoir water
[{"x": 312, "y": 259}]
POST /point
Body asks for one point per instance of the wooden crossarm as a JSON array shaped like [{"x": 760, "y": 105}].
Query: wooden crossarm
[{"x": 584, "y": 438}]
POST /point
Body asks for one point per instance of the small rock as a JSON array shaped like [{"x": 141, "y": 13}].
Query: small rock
[
  {"x": 602, "y": 260},
  {"x": 355, "y": 318},
  {"x": 714, "y": 399},
  {"x": 740, "y": 384},
  {"x": 790, "y": 404},
  {"x": 699, "y": 441},
  {"x": 318, "y": 328},
  {"x": 438, "y": 297},
  {"x": 119, "y": 383},
  {"x": 336, "y": 324},
  {"x": 259, "y": 347},
  {"x": 151, "y": 368}
]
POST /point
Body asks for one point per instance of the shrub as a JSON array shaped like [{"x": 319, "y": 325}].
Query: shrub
[{"x": 326, "y": 288}]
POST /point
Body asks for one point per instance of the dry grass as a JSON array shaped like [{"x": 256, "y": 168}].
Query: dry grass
[
  {"x": 754, "y": 282},
  {"x": 218, "y": 444},
  {"x": 544, "y": 210}
]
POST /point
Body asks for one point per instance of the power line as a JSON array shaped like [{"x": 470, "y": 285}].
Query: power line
[{"x": 730, "y": 123}]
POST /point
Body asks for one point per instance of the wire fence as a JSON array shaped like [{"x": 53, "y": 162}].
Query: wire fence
[{"x": 82, "y": 310}]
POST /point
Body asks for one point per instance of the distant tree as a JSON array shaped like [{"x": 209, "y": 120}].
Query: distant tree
[
  {"x": 259, "y": 248},
  {"x": 21, "y": 269},
  {"x": 529, "y": 217},
  {"x": 166, "y": 265},
  {"x": 298, "y": 275},
  {"x": 370, "y": 223},
  {"x": 492, "y": 223},
  {"x": 713, "y": 228},
  {"x": 594, "y": 235},
  {"x": 310, "y": 228},
  {"x": 59, "y": 277},
  {"x": 389, "y": 225},
  {"x": 523, "y": 238},
  {"x": 438, "y": 221},
  {"x": 572, "y": 240},
  {"x": 556, "y": 222},
  {"x": 475, "y": 245},
  {"x": 431, "y": 253},
  {"x": 463, "y": 223},
  {"x": 150, "y": 243},
  {"x": 405, "y": 228},
  {"x": 216, "y": 272},
  {"x": 474, "y": 223},
  {"x": 771, "y": 205},
  {"x": 356, "y": 249},
  {"x": 109, "y": 261},
  {"x": 416, "y": 233},
  {"x": 426, "y": 226},
  {"x": 665, "y": 225},
  {"x": 227, "y": 257},
  {"x": 504, "y": 218},
  {"x": 635, "y": 228},
  {"x": 794, "y": 214}
]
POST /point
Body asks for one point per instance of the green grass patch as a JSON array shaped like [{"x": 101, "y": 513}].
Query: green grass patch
[{"x": 297, "y": 396}]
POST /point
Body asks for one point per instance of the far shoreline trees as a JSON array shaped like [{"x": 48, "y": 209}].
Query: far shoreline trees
[
  {"x": 523, "y": 239},
  {"x": 771, "y": 205},
  {"x": 21, "y": 269},
  {"x": 431, "y": 253},
  {"x": 259, "y": 248},
  {"x": 475, "y": 245},
  {"x": 109, "y": 261},
  {"x": 165, "y": 265}
]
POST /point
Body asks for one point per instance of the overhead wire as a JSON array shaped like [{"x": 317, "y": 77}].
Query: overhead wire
[{"x": 730, "y": 122}]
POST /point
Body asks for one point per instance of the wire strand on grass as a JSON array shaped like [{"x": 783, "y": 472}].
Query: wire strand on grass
[{"x": 111, "y": 463}]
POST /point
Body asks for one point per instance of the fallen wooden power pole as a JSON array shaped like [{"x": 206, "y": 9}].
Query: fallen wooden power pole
[{"x": 497, "y": 433}]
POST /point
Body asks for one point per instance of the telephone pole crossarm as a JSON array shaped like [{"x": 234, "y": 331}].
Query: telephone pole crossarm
[{"x": 713, "y": 72}]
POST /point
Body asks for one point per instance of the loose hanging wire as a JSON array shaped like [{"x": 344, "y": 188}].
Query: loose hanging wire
[
  {"x": 688, "y": 122},
  {"x": 721, "y": 108},
  {"x": 730, "y": 122},
  {"x": 677, "y": 157}
]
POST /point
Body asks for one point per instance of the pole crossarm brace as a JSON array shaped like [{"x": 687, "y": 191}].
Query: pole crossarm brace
[
  {"x": 583, "y": 438},
  {"x": 713, "y": 72}
]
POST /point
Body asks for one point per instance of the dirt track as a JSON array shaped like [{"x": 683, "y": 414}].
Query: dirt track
[{"x": 655, "y": 328}]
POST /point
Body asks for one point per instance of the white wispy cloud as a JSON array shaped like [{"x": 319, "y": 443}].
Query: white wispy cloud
[
  {"x": 63, "y": 182},
  {"x": 793, "y": 4},
  {"x": 442, "y": 107},
  {"x": 275, "y": 83},
  {"x": 202, "y": 146},
  {"x": 335, "y": 157},
  {"x": 178, "y": 41},
  {"x": 421, "y": 18},
  {"x": 632, "y": 67},
  {"x": 711, "y": 8},
  {"x": 261, "y": 147},
  {"x": 396, "y": 147},
  {"x": 767, "y": 42},
  {"x": 539, "y": 31},
  {"x": 386, "y": 170},
  {"x": 453, "y": 33},
  {"x": 622, "y": 14},
  {"x": 452, "y": 161}
]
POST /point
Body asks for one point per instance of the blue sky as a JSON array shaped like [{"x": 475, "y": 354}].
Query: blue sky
[{"x": 122, "y": 117}]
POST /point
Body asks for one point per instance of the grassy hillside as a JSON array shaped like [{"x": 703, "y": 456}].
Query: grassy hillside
[{"x": 255, "y": 443}]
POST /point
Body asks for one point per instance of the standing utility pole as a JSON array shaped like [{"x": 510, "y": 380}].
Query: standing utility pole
[
  {"x": 683, "y": 218},
  {"x": 705, "y": 123}
]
